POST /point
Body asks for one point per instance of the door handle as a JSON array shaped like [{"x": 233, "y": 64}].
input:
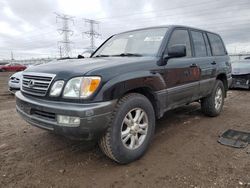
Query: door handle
[
  {"x": 193, "y": 65},
  {"x": 213, "y": 63}
]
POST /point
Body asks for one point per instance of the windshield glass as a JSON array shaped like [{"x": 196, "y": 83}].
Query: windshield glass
[{"x": 135, "y": 43}]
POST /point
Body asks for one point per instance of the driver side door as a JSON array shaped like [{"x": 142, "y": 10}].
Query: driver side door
[{"x": 181, "y": 74}]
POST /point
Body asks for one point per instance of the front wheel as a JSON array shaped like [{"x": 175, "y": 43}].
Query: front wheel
[
  {"x": 213, "y": 104},
  {"x": 130, "y": 130}
]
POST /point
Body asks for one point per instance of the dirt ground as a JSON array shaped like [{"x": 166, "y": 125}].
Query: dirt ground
[{"x": 184, "y": 153}]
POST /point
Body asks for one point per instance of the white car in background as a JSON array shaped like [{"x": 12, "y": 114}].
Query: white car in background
[
  {"x": 15, "y": 79},
  {"x": 241, "y": 74},
  {"x": 14, "y": 82}
]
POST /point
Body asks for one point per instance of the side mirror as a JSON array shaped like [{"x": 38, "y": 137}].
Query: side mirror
[
  {"x": 174, "y": 51},
  {"x": 80, "y": 57},
  {"x": 177, "y": 51}
]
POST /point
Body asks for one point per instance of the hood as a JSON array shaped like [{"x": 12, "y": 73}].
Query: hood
[
  {"x": 240, "y": 68},
  {"x": 79, "y": 67}
]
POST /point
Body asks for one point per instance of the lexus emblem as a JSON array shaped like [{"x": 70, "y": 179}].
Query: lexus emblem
[{"x": 31, "y": 83}]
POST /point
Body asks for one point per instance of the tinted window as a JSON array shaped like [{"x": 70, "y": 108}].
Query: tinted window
[
  {"x": 181, "y": 37},
  {"x": 207, "y": 45},
  {"x": 199, "y": 44},
  {"x": 216, "y": 44}
]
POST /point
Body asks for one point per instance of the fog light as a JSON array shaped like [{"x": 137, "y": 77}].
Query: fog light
[{"x": 68, "y": 121}]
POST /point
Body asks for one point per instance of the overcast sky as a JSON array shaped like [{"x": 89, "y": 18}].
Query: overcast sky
[{"x": 29, "y": 28}]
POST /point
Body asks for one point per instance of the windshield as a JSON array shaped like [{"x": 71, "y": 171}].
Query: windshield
[{"x": 135, "y": 43}]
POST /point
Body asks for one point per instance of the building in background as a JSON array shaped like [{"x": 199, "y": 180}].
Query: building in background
[{"x": 27, "y": 61}]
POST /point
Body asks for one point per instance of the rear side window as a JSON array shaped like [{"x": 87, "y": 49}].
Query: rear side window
[
  {"x": 199, "y": 44},
  {"x": 216, "y": 44},
  {"x": 180, "y": 36}
]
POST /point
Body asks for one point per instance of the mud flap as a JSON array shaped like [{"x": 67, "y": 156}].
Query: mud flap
[{"x": 236, "y": 139}]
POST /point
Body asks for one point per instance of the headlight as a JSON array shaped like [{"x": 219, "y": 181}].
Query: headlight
[
  {"x": 56, "y": 88},
  {"x": 72, "y": 88},
  {"x": 81, "y": 87}
]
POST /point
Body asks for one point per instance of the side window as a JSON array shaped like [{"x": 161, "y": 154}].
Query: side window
[
  {"x": 216, "y": 44},
  {"x": 180, "y": 36},
  {"x": 199, "y": 44},
  {"x": 209, "y": 53}
]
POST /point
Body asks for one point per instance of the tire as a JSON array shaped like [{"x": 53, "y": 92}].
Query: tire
[
  {"x": 213, "y": 104},
  {"x": 113, "y": 144}
]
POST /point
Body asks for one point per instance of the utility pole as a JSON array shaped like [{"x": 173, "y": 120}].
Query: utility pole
[
  {"x": 60, "y": 51},
  {"x": 92, "y": 34},
  {"x": 12, "y": 56},
  {"x": 66, "y": 32}
]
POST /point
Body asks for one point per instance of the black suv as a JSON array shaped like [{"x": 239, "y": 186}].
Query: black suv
[{"x": 129, "y": 81}]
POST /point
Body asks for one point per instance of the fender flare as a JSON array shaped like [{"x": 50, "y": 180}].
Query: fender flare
[{"x": 119, "y": 85}]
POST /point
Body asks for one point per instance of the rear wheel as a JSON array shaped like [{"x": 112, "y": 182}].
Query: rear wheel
[
  {"x": 131, "y": 129},
  {"x": 213, "y": 104}
]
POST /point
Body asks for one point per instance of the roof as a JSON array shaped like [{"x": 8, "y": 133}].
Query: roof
[{"x": 168, "y": 26}]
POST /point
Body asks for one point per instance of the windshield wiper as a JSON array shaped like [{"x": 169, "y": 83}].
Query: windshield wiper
[
  {"x": 121, "y": 55},
  {"x": 128, "y": 55},
  {"x": 102, "y": 56}
]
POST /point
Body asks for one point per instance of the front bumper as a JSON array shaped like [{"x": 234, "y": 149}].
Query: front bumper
[
  {"x": 241, "y": 81},
  {"x": 94, "y": 117}
]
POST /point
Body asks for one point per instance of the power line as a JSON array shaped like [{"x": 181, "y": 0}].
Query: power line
[
  {"x": 66, "y": 32},
  {"x": 148, "y": 19},
  {"x": 220, "y": 29},
  {"x": 175, "y": 16},
  {"x": 212, "y": 25},
  {"x": 223, "y": 27},
  {"x": 191, "y": 5},
  {"x": 92, "y": 33}
]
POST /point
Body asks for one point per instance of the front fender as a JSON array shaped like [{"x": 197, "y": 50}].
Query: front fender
[{"x": 119, "y": 85}]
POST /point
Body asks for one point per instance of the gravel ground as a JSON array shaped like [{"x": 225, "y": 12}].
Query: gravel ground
[{"x": 184, "y": 153}]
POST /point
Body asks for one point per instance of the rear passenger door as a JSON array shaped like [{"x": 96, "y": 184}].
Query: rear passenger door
[
  {"x": 204, "y": 60},
  {"x": 221, "y": 59},
  {"x": 182, "y": 75}
]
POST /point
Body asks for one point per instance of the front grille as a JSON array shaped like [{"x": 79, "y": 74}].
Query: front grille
[{"x": 36, "y": 83}]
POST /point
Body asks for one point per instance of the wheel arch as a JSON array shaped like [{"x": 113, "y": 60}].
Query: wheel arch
[
  {"x": 143, "y": 82},
  {"x": 223, "y": 77},
  {"x": 149, "y": 94}
]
